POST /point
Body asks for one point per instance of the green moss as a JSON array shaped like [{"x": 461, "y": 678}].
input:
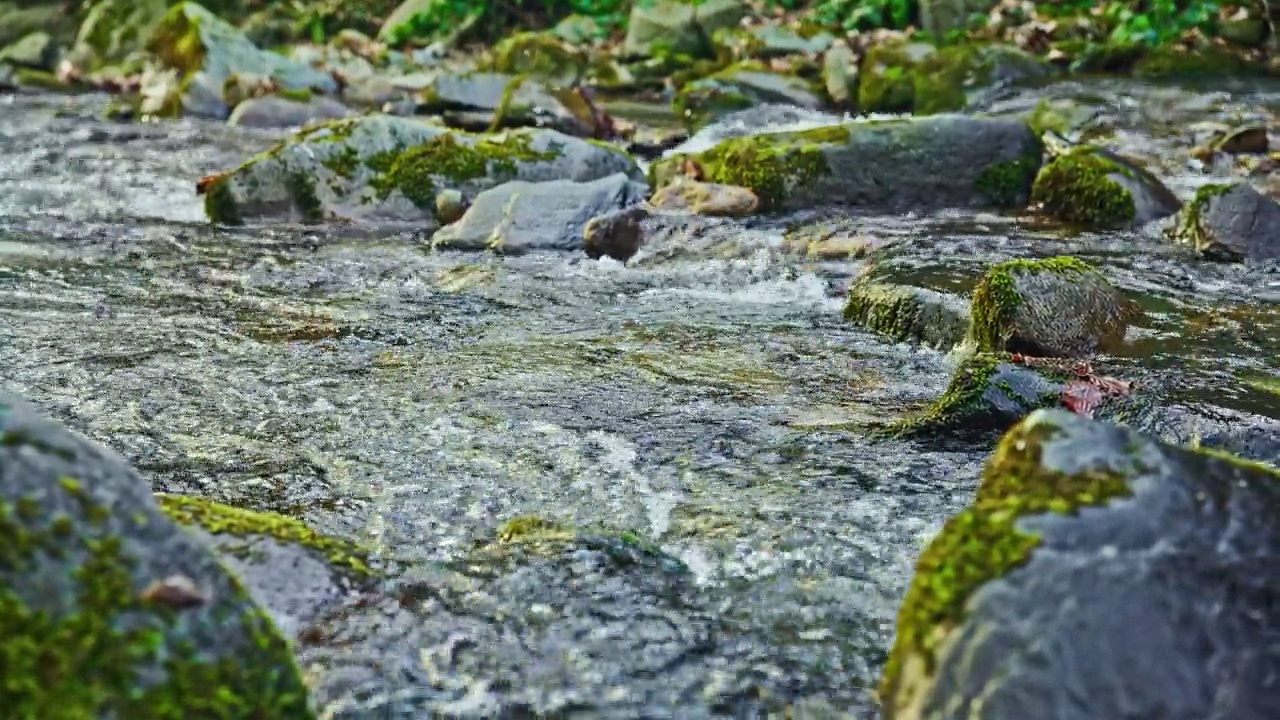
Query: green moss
[
  {"x": 1044, "y": 118},
  {"x": 177, "y": 43},
  {"x": 220, "y": 203},
  {"x": 771, "y": 165},
  {"x": 531, "y": 527},
  {"x": 110, "y": 655},
  {"x": 414, "y": 171},
  {"x": 983, "y": 542},
  {"x": 301, "y": 95},
  {"x": 1008, "y": 184},
  {"x": 220, "y": 519},
  {"x": 1206, "y": 62},
  {"x": 1189, "y": 228},
  {"x": 540, "y": 54},
  {"x": 996, "y": 299},
  {"x": 302, "y": 188},
  {"x": 1075, "y": 187},
  {"x": 343, "y": 163}
]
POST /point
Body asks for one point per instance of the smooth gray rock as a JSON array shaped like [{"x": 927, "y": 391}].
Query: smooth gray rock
[
  {"x": 1235, "y": 224},
  {"x": 520, "y": 216},
  {"x": 273, "y": 111}
]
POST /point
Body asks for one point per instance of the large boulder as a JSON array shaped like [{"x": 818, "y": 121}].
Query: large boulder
[
  {"x": 938, "y": 161},
  {"x": 110, "y": 610},
  {"x": 1232, "y": 223},
  {"x": 1097, "y": 574},
  {"x": 381, "y": 167},
  {"x": 1056, "y": 307},
  {"x": 207, "y": 53},
  {"x": 679, "y": 26}
]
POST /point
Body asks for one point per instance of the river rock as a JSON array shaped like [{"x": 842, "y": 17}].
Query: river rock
[
  {"x": 520, "y": 216},
  {"x": 37, "y": 51},
  {"x": 919, "y": 78},
  {"x": 1232, "y": 223},
  {"x": 274, "y": 111},
  {"x": 381, "y": 167},
  {"x": 904, "y": 313},
  {"x": 109, "y": 609},
  {"x": 292, "y": 571},
  {"x": 679, "y": 27},
  {"x": 1093, "y": 187},
  {"x": 1097, "y": 573},
  {"x": 113, "y": 29},
  {"x": 700, "y": 198},
  {"x": 1057, "y": 307},
  {"x": 481, "y": 100},
  {"x": 707, "y": 99},
  {"x": 206, "y": 52},
  {"x": 840, "y": 75},
  {"x": 894, "y": 165},
  {"x": 616, "y": 234}
]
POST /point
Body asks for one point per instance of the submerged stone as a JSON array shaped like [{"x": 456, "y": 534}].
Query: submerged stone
[
  {"x": 110, "y": 610},
  {"x": 1139, "y": 574}
]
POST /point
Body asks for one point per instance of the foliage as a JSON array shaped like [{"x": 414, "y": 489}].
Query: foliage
[
  {"x": 852, "y": 15},
  {"x": 500, "y": 16},
  {"x": 1144, "y": 22}
]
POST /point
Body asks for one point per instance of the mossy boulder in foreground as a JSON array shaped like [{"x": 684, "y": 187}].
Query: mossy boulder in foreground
[
  {"x": 1057, "y": 307},
  {"x": 1232, "y": 223},
  {"x": 1092, "y": 187},
  {"x": 110, "y": 610},
  {"x": 938, "y": 161},
  {"x": 1097, "y": 574},
  {"x": 388, "y": 168}
]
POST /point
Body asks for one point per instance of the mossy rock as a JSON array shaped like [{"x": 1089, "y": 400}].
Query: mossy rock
[
  {"x": 110, "y": 610},
  {"x": 1231, "y": 223},
  {"x": 1093, "y": 552},
  {"x": 384, "y": 168},
  {"x": 206, "y": 52},
  {"x": 897, "y": 165},
  {"x": 1209, "y": 61},
  {"x": 739, "y": 87},
  {"x": 1091, "y": 187},
  {"x": 921, "y": 79},
  {"x": 115, "y": 29},
  {"x": 904, "y": 313},
  {"x": 541, "y": 55},
  {"x": 535, "y": 535},
  {"x": 1056, "y": 307}
]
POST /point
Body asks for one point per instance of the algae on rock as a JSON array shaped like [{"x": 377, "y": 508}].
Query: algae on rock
[
  {"x": 1094, "y": 552},
  {"x": 110, "y": 610},
  {"x": 389, "y": 168},
  {"x": 1090, "y": 186},
  {"x": 908, "y": 164},
  {"x": 1056, "y": 307}
]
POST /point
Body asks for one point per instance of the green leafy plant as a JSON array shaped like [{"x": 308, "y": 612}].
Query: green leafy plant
[
  {"x": 500, "y": 16},
  {"x": 1140, "y": 22},
  {"x": 852, "y": 15}
]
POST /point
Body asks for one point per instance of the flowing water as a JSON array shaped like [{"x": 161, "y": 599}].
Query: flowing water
[{"x": 703, "y": 398}]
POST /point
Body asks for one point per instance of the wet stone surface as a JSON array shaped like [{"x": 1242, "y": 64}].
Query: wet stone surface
[{"x": 743, "y": 545}]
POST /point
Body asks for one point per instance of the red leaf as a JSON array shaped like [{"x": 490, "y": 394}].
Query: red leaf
[{"x": 1081, "y": 397}]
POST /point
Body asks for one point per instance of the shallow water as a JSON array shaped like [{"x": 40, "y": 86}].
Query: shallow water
[{"x": 700, "y": 397}]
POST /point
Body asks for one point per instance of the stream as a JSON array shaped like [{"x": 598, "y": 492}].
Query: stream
[{"x": 703, "y": 397}]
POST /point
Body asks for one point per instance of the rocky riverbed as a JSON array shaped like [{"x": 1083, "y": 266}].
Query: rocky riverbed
[{"x": 716, "y": 532}]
